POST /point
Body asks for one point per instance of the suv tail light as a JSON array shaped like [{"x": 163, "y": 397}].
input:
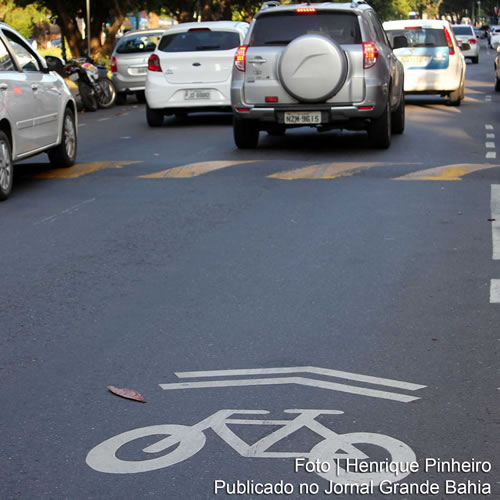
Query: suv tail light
[
  {"x": 154, "y": 63},
  {"x": 370, "y": 55},
  {"x": 305, "y": 10},
  {"x": 240, "y": 58},
  {"x": 449, "y": 41},
  {"x": 114, "y": 67}
]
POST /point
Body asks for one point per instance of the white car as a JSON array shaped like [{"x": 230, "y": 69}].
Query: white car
[
  {"x": 433, "y": 61},
  {"x": 37, "y": 110},
  {"x": 466, "y": 36},
  {"x": 495, "y": 37},
  {"x": 190, "y": 69}
]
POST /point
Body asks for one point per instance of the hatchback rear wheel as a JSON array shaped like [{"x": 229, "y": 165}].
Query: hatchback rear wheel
[
  {"x": 154, "y": 117},
  {"x": 6, "y": 167},
  {"x": 64, "y": 154}
]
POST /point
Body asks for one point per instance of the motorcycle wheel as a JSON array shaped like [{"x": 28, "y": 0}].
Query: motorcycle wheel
[
  {"x": 107, "y": 95},
  {"x": 88, "y": 98}
]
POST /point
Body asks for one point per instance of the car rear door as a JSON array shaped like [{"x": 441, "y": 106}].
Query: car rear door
[
  {"x": 45, "y": 91},
  {"x": 17, "y": 100}
]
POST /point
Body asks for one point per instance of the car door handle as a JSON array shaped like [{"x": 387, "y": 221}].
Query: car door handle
[
  {"x": 34, "y": 86},
  {"x": 257, "y": 61}
]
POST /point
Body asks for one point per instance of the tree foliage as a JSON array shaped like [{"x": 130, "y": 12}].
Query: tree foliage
[{"x": 23, "y": 19}]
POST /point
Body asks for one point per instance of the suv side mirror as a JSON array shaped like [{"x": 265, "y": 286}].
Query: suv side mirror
[{"x": 399, "y": 42}]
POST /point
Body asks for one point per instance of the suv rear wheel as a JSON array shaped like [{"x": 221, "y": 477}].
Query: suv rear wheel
[
  {"x": 246, "y": 134},
  {"x": 398, "y": 117},
  {"x": 379, "y": 130}
]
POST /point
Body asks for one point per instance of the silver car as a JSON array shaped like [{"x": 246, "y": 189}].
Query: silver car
[
  {"x": 37, "y": 110},
  {"x": 129, "y": 62},
  {"x": 324, "y": 65}
]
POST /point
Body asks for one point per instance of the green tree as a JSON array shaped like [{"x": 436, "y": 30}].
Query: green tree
[{"x": 23, "y": 19}]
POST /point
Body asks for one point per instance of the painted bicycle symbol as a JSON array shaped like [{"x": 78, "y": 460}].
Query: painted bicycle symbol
[{"x": 181, "y": 442}]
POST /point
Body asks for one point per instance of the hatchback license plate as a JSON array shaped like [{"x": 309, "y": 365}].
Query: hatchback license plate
[
  {"x": 302, "y": 117},
  {"x": 192, "y": 95}
]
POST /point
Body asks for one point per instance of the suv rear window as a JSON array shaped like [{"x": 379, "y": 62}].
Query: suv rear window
[
  {"x": 199, "y": 39},
  {"x": 138, "y": 43},
  {"x": 462, "y": 30},
  {"x": 421, "y": 37},
  {"x": 281, "y": 28}
]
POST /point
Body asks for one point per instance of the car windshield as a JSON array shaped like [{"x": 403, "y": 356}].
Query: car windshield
[
  {"x": 199, "y": 39},
  {"x": 138, "y": 43},
  {"x": 462, "y": 30},
  {"x": 342, "y": 27},
  {"x": 421, "y": 37}
]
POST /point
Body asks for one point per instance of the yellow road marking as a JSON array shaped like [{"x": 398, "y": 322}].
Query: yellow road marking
[
  {"x": 330, "y": 170},
  {"x": 194, "y": 169},
  {"x": 81, "y": 169},
  {"x": 446, "y": 172}
]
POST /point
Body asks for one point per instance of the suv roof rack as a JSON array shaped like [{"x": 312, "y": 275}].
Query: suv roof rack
[{"x": 269, "y": 4}]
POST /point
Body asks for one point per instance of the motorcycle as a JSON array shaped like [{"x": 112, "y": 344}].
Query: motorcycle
[{"x": 95, "y": 88}]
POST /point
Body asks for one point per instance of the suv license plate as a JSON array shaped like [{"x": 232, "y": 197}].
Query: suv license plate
[
  {"x": 192, "y": 95},
  {"x": 302, "y": 118}
]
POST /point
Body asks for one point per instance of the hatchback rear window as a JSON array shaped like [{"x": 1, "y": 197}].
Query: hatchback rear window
[
  {"x": 421, "y": 37},
  {"x": 282, "y": 28},
  {"x": 199, "y": 39},
  {"x": 463, "y": 30},
  {"x": 138, "y": 43}
]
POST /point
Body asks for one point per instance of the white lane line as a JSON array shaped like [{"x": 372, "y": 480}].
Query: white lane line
[
  {"x": 495, "y": 225},
  {"x": 321, "y": 384},
  {"x": 82, "y": 124},
  {"x": 487, "y": 98},
  {"x": 490, "y": 136},
  {"x": 490, "y": 145},
  {"x": 103, "y": 119},
  {"x": 304, "y": 369},
  {"x": 495, "y": 292},
  {"x": 488, "y": 127},
  {"x": 67, "y": 211},
  {"x": 491, "y": 154}
]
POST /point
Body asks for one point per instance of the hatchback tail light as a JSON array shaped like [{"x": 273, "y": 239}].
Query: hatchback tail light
[
  {"x": 114, "y": 66},
  {"x": 154, "y": 63},
  {"x": 370, "y": 55},
  {"x": 240, "y": 58},
  {"x": 449, "y": 41}
]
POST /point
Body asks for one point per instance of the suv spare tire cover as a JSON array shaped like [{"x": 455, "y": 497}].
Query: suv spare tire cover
[{"x": 312, "y": 68}]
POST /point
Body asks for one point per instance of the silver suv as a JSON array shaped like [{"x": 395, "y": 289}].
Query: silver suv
[{"x": 325, "y": 65}]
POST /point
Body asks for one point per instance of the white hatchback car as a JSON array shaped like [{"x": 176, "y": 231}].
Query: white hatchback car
[
  {"x": 433, "y": 61},
  {"x": 37, "y": 110},
  {"x": 190, "y": 69}
]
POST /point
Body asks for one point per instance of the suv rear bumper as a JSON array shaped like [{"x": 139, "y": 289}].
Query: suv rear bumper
[{"x": 371, "y": 107}]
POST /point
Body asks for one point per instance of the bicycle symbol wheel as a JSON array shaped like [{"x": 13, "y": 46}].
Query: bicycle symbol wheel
[
  {"x": 399, "y": 453},
  {"x": 189, "y": 441}
]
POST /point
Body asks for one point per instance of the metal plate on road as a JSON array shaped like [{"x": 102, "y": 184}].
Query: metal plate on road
[
  {"x": 193, "y": 95},
  {"x": 302, "y": 117}
]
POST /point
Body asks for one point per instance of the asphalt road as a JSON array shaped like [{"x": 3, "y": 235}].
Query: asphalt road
[{"x": 332, "y": 276}]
